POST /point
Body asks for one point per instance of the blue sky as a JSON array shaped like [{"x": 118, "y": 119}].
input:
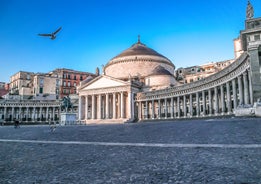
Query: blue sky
[{"x": 188, "y": 32}]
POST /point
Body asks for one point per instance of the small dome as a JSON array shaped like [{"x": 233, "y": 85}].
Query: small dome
[{"x": 159, "y": 70}]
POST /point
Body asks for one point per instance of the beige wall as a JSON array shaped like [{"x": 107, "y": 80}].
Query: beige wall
[{"x": 143, "y": 68}]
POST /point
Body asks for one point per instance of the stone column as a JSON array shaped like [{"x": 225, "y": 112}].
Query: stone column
[
  {"x": 93, "y": 107},
  {"x": 228, "y": 98},
  {"x": 198, "y": 105},
  {"x": 80, "y": 108},
  {"x": 172, "y": 108},
  {"x": 12, "y": 114},
  {"x": 5, "y": 115},
  {"x": 41, "y": 112},
  {"x": 99, "y": 106},
  {"x": 166, "y": 109},
  {"x": 175, "y": 107},
  {"x": 159, "y": 109},
  {"x": 47, "y": 114},
  {"x": 153, "y": 108},
  {"x": 107, "y": 106},
  {"x": 27, "y": 113},
  {"x": 33, "y": 118},
  {"x": 216, "y": 100},
  {"x": 185, "y": 106},
  {"x": 86, "y": 107},
  {"x": 246, "y": 88},
  {"x": 240, "y": 89},
  {"x": 131, "y": 105},
  {"x": 53, "y": 113},
  {"x": 114, "y": 105},
  {"x": 191, "y": 105},
  {"x": 222, "y": 99},
  {"x": 234, "y": 93},
  {"x": 178, "y": 106},
  {"x": 250, "y": 88},
  {"x": 204, "y": 102},
  {"x": 20, "y": 113},
  {"x": 210, "y": 102},
  {"x": 146, "y": 111},
  {"x": 122, "y": 105}
]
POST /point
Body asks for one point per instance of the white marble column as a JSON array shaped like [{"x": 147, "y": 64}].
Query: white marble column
[
  {"x": 222, "y": 99},
  {"x": 175, "y": 108},
  {"x": 216, "y": 100},
  {"x": 80, "y": 108},
  {"x": 228, "y": 98},
  {"x": 190, "y": 105},
  {"x": 146, "y": 110},
  {"x": 240, "y": 89},
  {"x": 5, "y": 115},
  {"x": 246, "y": 88},
  {"x": 234, "y": 93},
  {"x": 204, "y": 102},
  {"x": 86, "y": 107},
  {"x": 93, "y": 107},
  {"x": 198, "y": 104},
  {"x": 12, "y": 114},
  {"x": 210, "y": 102},
  {"x": 159, "y": 109},
  {"x": 33, "y": 118},
  {"x": 166, "y": 108},
  {"x": 114, "y": 106},
  {"x": 178, "y": 106},
  {"x": 27, "y": 113},
  {"x": 250, "y": 88},
  {"x": 107, "y": 106},
  {"x": 122, "y": 105},
  {"x": 172, "y": 108},
  {"x": 185, "y": 106},
  {"x": 153, "y": 109},
  {"x": 99, "y": 107}
]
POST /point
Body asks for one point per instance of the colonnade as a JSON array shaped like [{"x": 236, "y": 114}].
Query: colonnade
[
  {"x": 221, "y": 99},
  {"x": 29, "y": 113},
  {"x": 114, "y": 105}
]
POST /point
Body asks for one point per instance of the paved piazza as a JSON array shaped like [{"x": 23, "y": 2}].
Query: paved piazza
[{"x": 195, "y": 151}]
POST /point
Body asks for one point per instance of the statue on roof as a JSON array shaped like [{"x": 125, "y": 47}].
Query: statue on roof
[{"x": 250, "y": 11}]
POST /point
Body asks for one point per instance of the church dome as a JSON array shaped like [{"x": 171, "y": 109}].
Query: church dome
[{"x": 138, "y": 60}]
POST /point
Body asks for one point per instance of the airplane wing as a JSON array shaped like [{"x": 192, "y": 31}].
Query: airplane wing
[
  {"x": 44, "y": 34},
  {"x": 57, "y": 30}
]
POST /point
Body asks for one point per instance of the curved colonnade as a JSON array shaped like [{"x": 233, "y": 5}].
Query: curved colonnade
[
  {"x": 218, "y": 94},
  {"x": 30, "y": 111}
]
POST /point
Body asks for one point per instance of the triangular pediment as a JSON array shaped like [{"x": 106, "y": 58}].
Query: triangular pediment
[{"x": 104, "y": 82}]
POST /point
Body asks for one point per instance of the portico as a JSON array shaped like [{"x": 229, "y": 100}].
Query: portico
[{"x": 106, "y": 98}]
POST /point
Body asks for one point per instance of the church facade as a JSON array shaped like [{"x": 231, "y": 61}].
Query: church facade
[{"x": 139, "y": 84}]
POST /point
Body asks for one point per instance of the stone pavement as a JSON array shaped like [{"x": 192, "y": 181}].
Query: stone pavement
[{"x": 188, "y": 151}]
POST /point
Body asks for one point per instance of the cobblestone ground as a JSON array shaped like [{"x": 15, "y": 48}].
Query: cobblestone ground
[{"x": 62, "y": 157}]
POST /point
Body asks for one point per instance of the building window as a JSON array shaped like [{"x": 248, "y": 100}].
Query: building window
[
  {"x": 80, "y": 77},
  {"x": 257, "y": 37},
  {"x": 64, "y": 76},
  {"x": 69, "y": 76},
  {"x": 41, "y": 90},
  {"x": 64, "y": 91},
  {"x": 41, "y": 81},
  {"x": 75, "y": 77},
  {"x": 57, "y": 82},
  {"x": 64, "y": 83},
  {"x": 69, "y": 83},
  {"x": 28, "y": 77}
]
